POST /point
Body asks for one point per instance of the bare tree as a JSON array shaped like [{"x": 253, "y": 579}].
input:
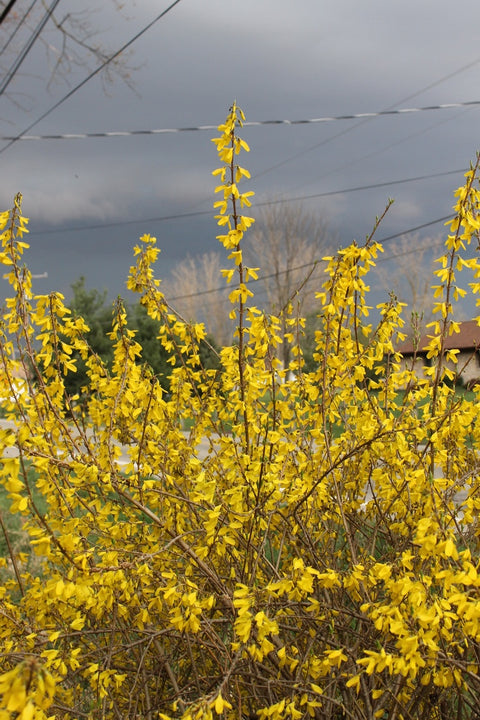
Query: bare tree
[
  {"x": 197, "y": 290},
  {"x": 407, "y": 272},
  {"x": 288, "y": 244},
  {"x": 70, "y": 41}
]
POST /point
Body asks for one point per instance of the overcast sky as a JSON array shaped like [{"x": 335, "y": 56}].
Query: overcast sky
[{"x": 280, "y": 59}]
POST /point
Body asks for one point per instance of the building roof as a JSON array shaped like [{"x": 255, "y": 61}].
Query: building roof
[{"x": 467, "y": 339}]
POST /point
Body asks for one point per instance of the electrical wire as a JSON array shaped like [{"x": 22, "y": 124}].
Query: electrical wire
[
  {"x": 90, "y": 76},
  {"x": 305, "y": 266},
  {"x": 6, "y": 10},
  {"x": 381, "y": 150},
  {"x": 18, "y": 62},
  {"x": 357, "y": 125},
  {"x": 71, "y": 136},
  {"x": 248, "y": 123},
  {"x": 76, "y": 136},
  {"x": 364, "y": 116},
  {"x": 263, "y": 291},
  {"x": 197, "y": 213},
  {"x": 445, "y": 218},
  {"x": 12, "y": 35}
]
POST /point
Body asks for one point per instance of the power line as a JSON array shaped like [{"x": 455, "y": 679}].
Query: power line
[
  {"x": 16, "y": 65},
  {"x": 441, "y": 80},
  {"x": 6, "y": 10},
  {"x": 309, "y": 149},
  {"x": 199, "y": 128},
  {"x": 352, "y": 128},
  {"x": 387, "y": 258},
  {"x": 12, "y": 35},
  {"x": 414, "y": 229},
  {"x": 116, "y": 223},
  {"x": 304, "y": 266},
  {"x": 384, "y": 148},
  {"x": 363, "y": 187},
  {"x": 106, "y": 62},
  {"x": 197, "y": 213}
]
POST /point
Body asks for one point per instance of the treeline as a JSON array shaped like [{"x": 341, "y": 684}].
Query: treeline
[{"x": 99, "y": 314}]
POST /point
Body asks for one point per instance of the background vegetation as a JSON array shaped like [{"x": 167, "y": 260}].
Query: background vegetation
[
  {"x": 318, "y": 560},
  {"x": 92, "y": 306}
]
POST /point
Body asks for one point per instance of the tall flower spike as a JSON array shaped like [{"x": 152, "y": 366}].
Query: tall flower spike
[{"x": 229, "y": 146}]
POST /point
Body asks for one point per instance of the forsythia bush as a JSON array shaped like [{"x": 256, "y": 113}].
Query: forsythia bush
[{"x": 318, "y": 562}]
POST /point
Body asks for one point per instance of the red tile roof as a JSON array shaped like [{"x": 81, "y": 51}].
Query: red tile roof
[{"x": 467, "y": 339}]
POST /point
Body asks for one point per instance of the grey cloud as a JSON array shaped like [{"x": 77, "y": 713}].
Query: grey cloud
[{"x": 280, "y": 60}]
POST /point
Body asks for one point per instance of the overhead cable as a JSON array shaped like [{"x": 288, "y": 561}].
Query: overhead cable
[
  {"x": 90, "y": 76},
  {"x": 352, "y": 128},
  {"x": 248, "y": 123},
  {"x": 417, "y": 227},
  {"x": 21, "y": 57},
  {"x": 304, "y": 266},
  {"x": 6, "y": 10},
  {"x": 197, "y": 213},
  {"x": 12, "y": 34}
]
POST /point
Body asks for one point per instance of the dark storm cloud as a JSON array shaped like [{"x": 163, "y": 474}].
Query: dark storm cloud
[{"x": 279, "y": 60}]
